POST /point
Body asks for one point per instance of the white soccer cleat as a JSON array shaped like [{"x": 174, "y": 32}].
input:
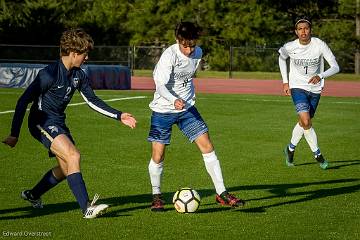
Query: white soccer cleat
[
  {"x": 36, "y": 203},
  {"x": 93, "y": 210}
]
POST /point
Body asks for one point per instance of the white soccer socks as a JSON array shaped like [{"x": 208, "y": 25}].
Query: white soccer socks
[
  {"x": 155, "y": 172},
  {"x": 311, "y": 139},
  {"x": 212, "y": 165},
  {"x": 296, "y": 136}
]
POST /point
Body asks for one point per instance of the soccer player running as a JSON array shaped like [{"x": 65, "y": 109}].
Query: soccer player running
[
  {"x": 173, "y": 103},
  {"x": 305, "y": 83},
  {"x": 50, "y": 93}
]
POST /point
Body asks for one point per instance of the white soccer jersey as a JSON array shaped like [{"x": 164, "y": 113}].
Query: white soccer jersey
[
  {"x": 175, "y": 71},
  {"x": 306, "y": 61}
]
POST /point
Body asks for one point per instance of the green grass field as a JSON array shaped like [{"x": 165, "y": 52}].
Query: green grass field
[
  {"x": 250, "y": 75},
  {"x": 249, "y": 133}
]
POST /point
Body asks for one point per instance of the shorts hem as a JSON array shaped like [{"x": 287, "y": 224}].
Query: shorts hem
[
  {"x": 198, "y": 135},
  {"x": 157, "y": 140}
]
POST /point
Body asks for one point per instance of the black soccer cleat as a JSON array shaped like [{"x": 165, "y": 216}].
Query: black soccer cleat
[
  {"x": 36, "y": 203},
  {"x": 289, "y": 157}
]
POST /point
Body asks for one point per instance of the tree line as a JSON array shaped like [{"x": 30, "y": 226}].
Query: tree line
[{"x": 224, "y": 23}]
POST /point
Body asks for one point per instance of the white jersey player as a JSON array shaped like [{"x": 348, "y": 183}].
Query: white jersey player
[
  {"x": 173, "y": 103},
  {"x": 307, "y": 61},
  {"x": 173, "y": 79},
  {"x": 305, "y": 83}
]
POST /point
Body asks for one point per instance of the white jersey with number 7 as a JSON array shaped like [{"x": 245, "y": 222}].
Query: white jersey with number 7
[{"x": 307, "y": 61}]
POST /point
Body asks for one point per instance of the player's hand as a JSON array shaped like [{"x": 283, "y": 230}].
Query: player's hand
[
  {"x": 10, "y": 141},
  {"x": 315, "y": 79},
  {"x": 179, "y": 104},
  {"x": 286, "y": 89},
  {"x": 128, "y": 120}
]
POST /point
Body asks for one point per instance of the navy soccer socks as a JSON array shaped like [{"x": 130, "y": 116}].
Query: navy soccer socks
[
  {"x": 77, "y": 186},
  {"x": 45, "y": 184}
]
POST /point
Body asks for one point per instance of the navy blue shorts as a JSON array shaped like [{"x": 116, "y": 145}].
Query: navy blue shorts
[
  {"x": 189, "y": 122},
  {"x": 45, "y": 130},
  {"x": 305, "y": 101}
]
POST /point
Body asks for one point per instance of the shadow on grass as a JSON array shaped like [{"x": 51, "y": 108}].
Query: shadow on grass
[
  {"x": 335, "y": 164},
  {"x": 143, "y": 201},
  {"x": 283, "y": 191}
]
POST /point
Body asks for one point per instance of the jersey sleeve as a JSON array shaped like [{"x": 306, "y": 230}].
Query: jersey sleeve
[
  {"x": 330, "y": 58},
  {"x": 283, "y": 70},
  {"x": 94, "y": 102},
  {"x": 163, "y": 68},
  {"x": 162, "y": 74},
  {"x": 32, "y": 92},
  {"x": 283, "y": 53}
]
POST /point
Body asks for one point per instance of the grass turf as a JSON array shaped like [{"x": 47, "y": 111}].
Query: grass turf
[
  {"x": 250, "y": 75},
  {"x": 249, "y": 133}
]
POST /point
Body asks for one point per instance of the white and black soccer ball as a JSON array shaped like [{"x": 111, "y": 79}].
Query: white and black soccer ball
[{"x": 186, "y": 200}]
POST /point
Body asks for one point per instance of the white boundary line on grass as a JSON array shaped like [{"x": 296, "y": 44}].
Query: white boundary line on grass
[
  {"x": 83, "y": 103},
  {"x": 283, "y": 100},
  {"x": 244, "y": 99},
  {"x": 278, "y": 100}
]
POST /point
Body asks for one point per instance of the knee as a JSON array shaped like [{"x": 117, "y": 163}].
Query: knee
[
  {"x": 305, "y": 123},
  {"x": 157, "y": 157},
  {"x": 74, "y": 157},
  {"x": 158, "y": 152},
  {"x": 206, "y": 147}
]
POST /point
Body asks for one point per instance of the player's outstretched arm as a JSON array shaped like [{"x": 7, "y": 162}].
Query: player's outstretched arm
[
  {"x": 128, "y": 120},
  {"x": 10, "y": 141}
]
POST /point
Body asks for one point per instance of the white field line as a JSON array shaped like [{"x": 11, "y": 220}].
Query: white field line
[
  {"x": 277, "y": 100},
  {"x": 289, "y": 100},
  {"x": 83, "y": 103},
  {"x": 244, "y": 99}
]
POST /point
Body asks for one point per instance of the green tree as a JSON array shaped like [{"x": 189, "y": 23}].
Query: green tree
[{"x": 29, "y": 22}]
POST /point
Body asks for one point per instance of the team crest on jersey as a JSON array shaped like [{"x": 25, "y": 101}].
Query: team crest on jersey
[
  {"x": 53, "y": 129},
  {"x": 75, "y": 82}
]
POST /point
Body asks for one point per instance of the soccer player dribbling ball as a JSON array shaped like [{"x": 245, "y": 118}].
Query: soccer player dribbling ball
[
  {"x": 305, "y": 84},
  {"x": 50, "y": 93},
  {"x": 173, "y": 103}
]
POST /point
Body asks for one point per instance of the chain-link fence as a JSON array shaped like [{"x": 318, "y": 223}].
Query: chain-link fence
[
  {"x": 241, "y": 59},
  {"x": 145, "y": 57},
  {"x": 245, "y": 59}
]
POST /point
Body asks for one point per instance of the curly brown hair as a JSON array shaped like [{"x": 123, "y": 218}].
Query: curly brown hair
[{"x": 75, "y": 40}]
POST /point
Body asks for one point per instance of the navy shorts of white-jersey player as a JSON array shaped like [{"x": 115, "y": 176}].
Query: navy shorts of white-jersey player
[
  {"x": 305, "y": 84},
  {"x": 173, "y": 103},
  {"x": 50, "y": 93}
]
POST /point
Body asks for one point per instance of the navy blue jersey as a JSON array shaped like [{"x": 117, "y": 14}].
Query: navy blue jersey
[{"x": 51, "y": 92}]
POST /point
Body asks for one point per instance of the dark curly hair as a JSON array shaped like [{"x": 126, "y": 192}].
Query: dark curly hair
[{"x": 187, "y": 31}]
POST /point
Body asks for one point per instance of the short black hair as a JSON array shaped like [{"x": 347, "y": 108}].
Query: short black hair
[
  {"x": 187, "y": 31},
  {"x": 302, "y": 19}
]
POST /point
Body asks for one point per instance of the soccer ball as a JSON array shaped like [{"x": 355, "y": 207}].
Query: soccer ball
[{"x": 186, "y": 200}]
